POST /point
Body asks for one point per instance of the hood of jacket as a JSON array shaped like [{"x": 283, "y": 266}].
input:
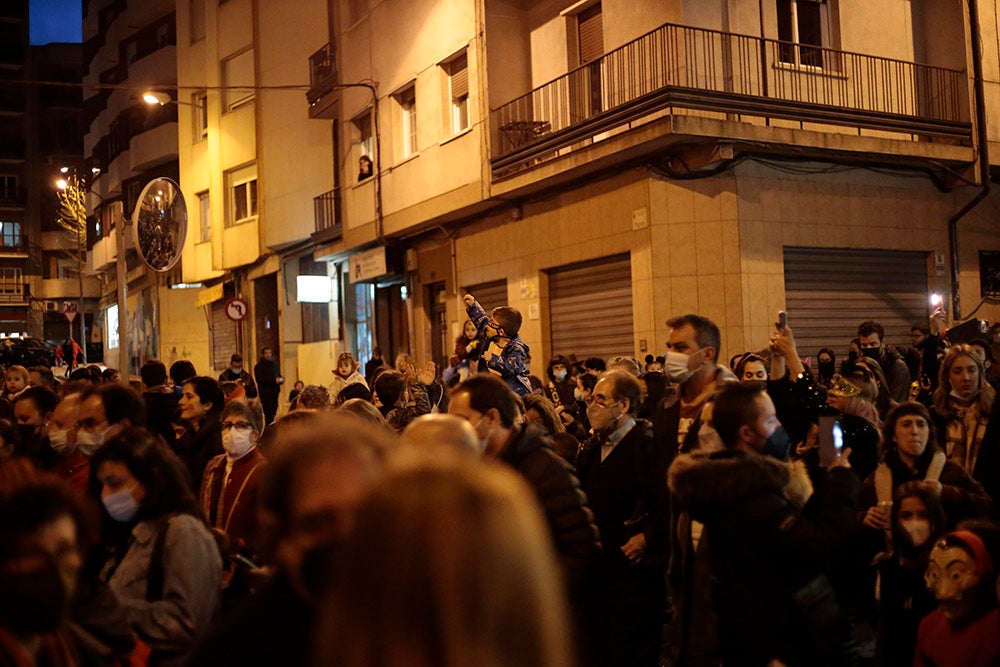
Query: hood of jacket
[{"x": 706, "y": 483}]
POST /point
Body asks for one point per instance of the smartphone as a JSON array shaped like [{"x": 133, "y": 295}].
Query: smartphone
[
  {"x": 831, "y": 439},
  {"x": 936, "y": 300},
  {"x": 782, "y": 319}
]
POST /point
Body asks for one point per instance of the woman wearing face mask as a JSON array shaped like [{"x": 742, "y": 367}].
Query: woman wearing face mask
[
  {"x": 910, "y": 449},
  {"x": 229, "y": 488},
  {"x": 168, "y": 573},
  {"x": 962, "y": 404},
  {"x": 917, "y": 522},
  {"x": 826, "y": 366}
]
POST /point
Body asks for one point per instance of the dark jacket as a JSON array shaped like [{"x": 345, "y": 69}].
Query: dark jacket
[
  {"x": 769, "y": 551},
  {"x": 897, "y": 375},
  {"x": 199, "y": 447},
  {"x": 510, "y": 363},
  {"x": 243, "y": 377},
  {"x": 571, "y": 523},
  {"x": 161, "y": 403},
  {"x": 987, "y": 468}
]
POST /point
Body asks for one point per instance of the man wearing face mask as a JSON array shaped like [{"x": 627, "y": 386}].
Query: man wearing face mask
[
  {"x": 561, "y": 385},
  {"x": 32, "y": 411},
  {"x": 236, "y": 373},
  {"x": 104, "y": 412},
  {"x": 770, "y": 542},
  {"x": 692, "y": 365},
  {"x": 73, "y": 465},
  {"x": 618, "y": 468},
  {"x": 871, "y": 337}
]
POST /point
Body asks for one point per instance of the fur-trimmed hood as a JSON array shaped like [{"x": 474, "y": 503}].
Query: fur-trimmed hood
[{"x": 706, "y": 483}]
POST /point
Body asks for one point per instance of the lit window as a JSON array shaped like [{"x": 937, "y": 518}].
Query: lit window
[
  {"x": 242, "y": 187},
  {"x": 407, "y": 102},
  {"x": 10, "y": 234},
  {"x": 111, "y": 315},
  {"x": 238, "y": 80},
  {"x": 458, "y": 85},
  {"x": 204, "y": 217},
  {"x": 805, "y": 27}
]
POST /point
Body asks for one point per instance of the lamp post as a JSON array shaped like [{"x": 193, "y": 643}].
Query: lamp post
[{"x": 73, "y": 217}]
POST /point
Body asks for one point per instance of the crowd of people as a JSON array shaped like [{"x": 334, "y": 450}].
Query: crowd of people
[{"x": 610, "y": 513}]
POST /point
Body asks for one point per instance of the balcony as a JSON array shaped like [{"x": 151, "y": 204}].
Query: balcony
[
  {"x": 13, "y": 288},
  {"x": 323, "y": 80},
  {"x": 678, "y": 69},
  {"x": 328, "y": 226}
]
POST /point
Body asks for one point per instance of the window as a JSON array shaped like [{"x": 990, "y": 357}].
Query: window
[
  {"x": 804, "y": 26},
  {"x": 238, "y": 79},
  {"x": 242, "y": 187},
  {"x": 407, "y": 102},
  {"x": 204, "y": 217},
  {"x": 458, "y": 88},
  {"x": 10, "y": 234},
  {"x": 197, "y": 20},
  {"x": 315, "y": 316},
  {"x": 363, "y": 124},
  {"x": 8, "y": 186},
  {"x": 200, "y": 103}
]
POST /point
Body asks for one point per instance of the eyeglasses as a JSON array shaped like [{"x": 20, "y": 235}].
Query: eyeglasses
[
  {"x": 239, "y": 426},
  {"x": 600, "y": 400}
]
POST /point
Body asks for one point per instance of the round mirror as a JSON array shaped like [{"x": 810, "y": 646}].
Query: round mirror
[{"x": 159, "y": 224}]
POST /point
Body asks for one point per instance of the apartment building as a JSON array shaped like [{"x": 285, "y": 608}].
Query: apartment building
[
  {"x": 130, "y": 49},
  {"x": 603, "y": 165},
  {"x": 39, "y": 133}
]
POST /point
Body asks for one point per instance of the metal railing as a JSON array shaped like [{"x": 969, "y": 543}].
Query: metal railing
[
  {"x": 322, "y": 71},
  {"x": 325, "y": 210},
  {"x": 680, "y": 67}
]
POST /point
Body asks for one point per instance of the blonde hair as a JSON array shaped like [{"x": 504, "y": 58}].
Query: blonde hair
[
  {"x": 17, "y": 371},
  {"x": 942, "y": 395},
  {"x": 450, "y": 565}
]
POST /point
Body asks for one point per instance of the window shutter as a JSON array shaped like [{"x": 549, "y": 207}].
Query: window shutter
[
  {"x": 590, "y": 308},
  {"x": 459, "y": 73},
  {"x": 591, "y": 32}
]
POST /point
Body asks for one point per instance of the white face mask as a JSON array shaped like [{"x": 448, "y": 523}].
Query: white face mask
[
  {"x": 59, "y": 441},
  {"x": 560, "y": 375},
  {"x": 579, "y": 394},
  {"x": 676, "y": 365},
  {"x": 919, "y": 531},
  {"x": 90, "y": 441},
  {"x": 238, "y": 442}
]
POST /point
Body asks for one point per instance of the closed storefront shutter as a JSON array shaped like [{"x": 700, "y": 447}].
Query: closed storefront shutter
[
  {"x": 590, "y": 308},
  {"x": 223, "y": 336},
  {"x": 829, "y": 292},
  {"x": 489, "y": 295}
]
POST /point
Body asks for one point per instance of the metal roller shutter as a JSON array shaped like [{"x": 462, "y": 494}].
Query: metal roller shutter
[
  {"x": 590, "y": 308},
  {"x": 489, "y": 295},
  {"x": 829, "y": 292},
  {"x": 590, "y": 24}
]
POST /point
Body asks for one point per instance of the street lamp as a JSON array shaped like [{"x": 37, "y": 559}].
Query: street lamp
[{"x": 73, "y": 218}]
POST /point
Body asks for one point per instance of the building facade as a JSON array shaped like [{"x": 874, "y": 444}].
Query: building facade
[
  {"x": 129, "y": 49},
  {"x": 599, "y": 165}
]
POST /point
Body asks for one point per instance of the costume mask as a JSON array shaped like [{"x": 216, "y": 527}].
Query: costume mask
[{"x": 955, "y": 576}]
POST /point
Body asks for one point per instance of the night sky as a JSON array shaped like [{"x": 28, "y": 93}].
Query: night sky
[{"x": 55, "y": 21}]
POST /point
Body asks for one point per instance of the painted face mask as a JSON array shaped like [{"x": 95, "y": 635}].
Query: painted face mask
[{"x": 955, "y": 573}]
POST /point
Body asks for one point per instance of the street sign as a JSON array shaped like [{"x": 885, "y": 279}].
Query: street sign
[
  {"x": 237, "y": 309},
  {"x": 70, "y": 310}
]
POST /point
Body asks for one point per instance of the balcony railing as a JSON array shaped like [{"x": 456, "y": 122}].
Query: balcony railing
[
  {"x": 680, "y": 67},
  {"x": 325, "y": 208},
  {"x": 322, "y": 72}
]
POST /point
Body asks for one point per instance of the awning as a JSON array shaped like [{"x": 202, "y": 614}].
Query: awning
[{"x": 209, "y": 294}]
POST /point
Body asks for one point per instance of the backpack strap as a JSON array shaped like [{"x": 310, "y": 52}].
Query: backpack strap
[{"x": 155, "y": 578}]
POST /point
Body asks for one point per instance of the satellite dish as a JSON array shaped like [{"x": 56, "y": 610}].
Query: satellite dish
[{"x": 159, "y": 224}]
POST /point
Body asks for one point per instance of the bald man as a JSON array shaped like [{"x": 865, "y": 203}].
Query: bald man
[{"x": 441, "y": 430}]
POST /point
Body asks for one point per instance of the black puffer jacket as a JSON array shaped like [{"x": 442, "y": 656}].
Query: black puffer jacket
[{"x": 564, "y": 503}]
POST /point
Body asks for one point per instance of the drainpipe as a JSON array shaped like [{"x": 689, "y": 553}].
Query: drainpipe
[{"x": 982, "y": 142}]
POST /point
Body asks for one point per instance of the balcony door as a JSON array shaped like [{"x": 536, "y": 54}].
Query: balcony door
[{"x": 587, "y": 95}]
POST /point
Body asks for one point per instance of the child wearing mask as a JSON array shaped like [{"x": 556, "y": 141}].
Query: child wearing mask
[{"x": 502, "y": 347}]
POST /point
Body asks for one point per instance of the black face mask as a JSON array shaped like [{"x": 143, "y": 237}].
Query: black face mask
[
  {"x": 826, "y": 369},
  {"x": 872, "y": 352},
  {"x": 33, "y": 602},
  {"x": 778, "y": 444}
]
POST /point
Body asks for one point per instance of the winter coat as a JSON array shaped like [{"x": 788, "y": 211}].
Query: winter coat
[
  {"x": 571, "y": 523},
  {"x": 770, "y": 544}
]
